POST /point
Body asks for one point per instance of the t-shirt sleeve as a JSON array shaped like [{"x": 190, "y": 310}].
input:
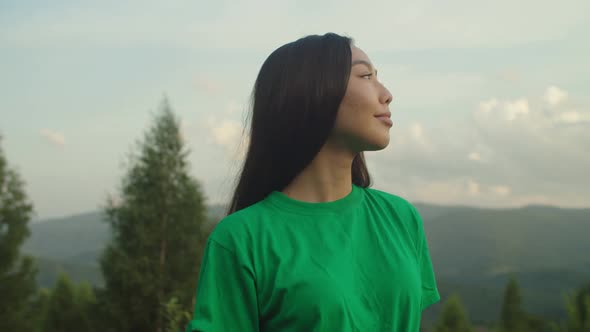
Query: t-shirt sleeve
[
  {"x": 226, "y": 293},
  {"x": 430, "y": 294}
]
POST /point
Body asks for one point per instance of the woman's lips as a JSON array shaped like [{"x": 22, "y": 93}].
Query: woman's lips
[{"x": 385, "y": 118}]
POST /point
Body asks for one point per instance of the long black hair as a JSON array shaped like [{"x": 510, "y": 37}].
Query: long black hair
[{"x": 295, "y": 101}]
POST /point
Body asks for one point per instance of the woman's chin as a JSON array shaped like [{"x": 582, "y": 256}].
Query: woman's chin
[{"x": 378, "y": 144}]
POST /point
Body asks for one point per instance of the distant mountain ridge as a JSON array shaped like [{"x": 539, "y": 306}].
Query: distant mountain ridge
[
  {"x": 78, "y": 239},
  {"x": 462, "y": 239},
  {"x": 497, "y": 241}
]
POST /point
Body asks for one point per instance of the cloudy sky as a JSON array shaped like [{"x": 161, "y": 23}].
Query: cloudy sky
[{"x": 491, "y": 99}]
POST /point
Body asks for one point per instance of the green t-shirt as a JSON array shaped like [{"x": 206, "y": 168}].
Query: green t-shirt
[{"x": 360, "y": 263}]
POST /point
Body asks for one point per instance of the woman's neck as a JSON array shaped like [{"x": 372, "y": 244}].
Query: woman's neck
[{"x": 327, "y": 178}]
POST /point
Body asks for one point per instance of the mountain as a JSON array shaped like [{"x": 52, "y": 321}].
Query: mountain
[
  {"x": 474, "y": 251},
  {"x": 49, "y": 271},
  {"x": 488, "y": 242},
  {"x": 78, "y": 239},
  {"x": 74, "y": 244},
  {"x": 75, "y": 240}
]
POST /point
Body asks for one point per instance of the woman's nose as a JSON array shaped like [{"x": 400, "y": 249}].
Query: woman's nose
[{"x": 386, "y": 96}]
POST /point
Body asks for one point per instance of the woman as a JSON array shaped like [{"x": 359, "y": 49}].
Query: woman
[{"x": 307, "y": 245}]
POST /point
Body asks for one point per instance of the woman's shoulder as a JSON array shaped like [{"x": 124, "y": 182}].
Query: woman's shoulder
[
  {"x": 236, "y": 229},
  {"x": 396, "y": 201},
  {"x": 400, "y": 209}
]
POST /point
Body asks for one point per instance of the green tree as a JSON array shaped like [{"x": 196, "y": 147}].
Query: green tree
[
  {"x": 154, "y": 253},
  {"x": 39, "y": 309},
  {"x": 175, "y": 316},
  {"x": 453, "y": 317},
  {"x": 513, "y": 318},
  {"x": 578, "y": 310},
  {"x": 69, "y": 307},
  {"x": 17, "y": 271},
  {"x": 539, "y": 324},
  {"x": 87, "y": 305}
]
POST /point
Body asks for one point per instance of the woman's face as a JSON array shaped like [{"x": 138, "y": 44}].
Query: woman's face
[{"x": 363, "y": 120}]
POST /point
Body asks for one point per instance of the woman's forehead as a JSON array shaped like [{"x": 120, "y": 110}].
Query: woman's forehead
[{"x": 359, "y": 55}]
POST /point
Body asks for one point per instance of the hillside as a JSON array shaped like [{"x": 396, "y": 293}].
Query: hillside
[{"x": 76, "y": 239}]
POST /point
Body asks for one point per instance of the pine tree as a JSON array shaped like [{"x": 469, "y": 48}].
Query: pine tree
[
  {"x": 87, "y": 305},
  {"x": 39, "y": 309},
  {"x": 64, "y": 312},
  {"x": 453, "y": 317},
  {"x": 154, "y": 253},
  {"x": 67, "y": 307},
  {"x": 513, "y": 318},
  {"x": 17, "y": 272},
  {"x": 578, "y": 310}
]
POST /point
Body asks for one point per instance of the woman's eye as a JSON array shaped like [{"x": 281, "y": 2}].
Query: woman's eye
[{"x": 367, "y": 75}]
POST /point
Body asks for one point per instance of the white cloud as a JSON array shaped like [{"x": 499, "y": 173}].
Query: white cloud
[
  {"x": 473, "y": 187},
  {"x": 474, "y": 156},
  {"x": 53, "y": 137},
  {"x": 486, "y": 107},
  {"x": 440, "y": 192},
  {"x": 417, "y": 131},
  {"x": 508, "y": 110},
  {"x": 226, "y": 133},
  {"x": 184, "y": 129},
  {"x": 501, "y": 190},
  {"x": 497, "y": 114},
  {"x": 572, "y": 117},
  {"x": 230, "y": 135},
  {"x": 209, "y": 86},
  {"x": 455, "y": 190},
  {"x": 554, "y": 95},
  {"x": 233, "y": 108},
  {"x": 517, "y": 108}
]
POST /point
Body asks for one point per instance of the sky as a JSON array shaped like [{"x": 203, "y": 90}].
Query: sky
[{"x": 491, "y": 100}]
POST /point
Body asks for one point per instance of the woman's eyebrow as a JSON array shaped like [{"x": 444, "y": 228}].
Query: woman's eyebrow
[{"x": 363, "y": 62}]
